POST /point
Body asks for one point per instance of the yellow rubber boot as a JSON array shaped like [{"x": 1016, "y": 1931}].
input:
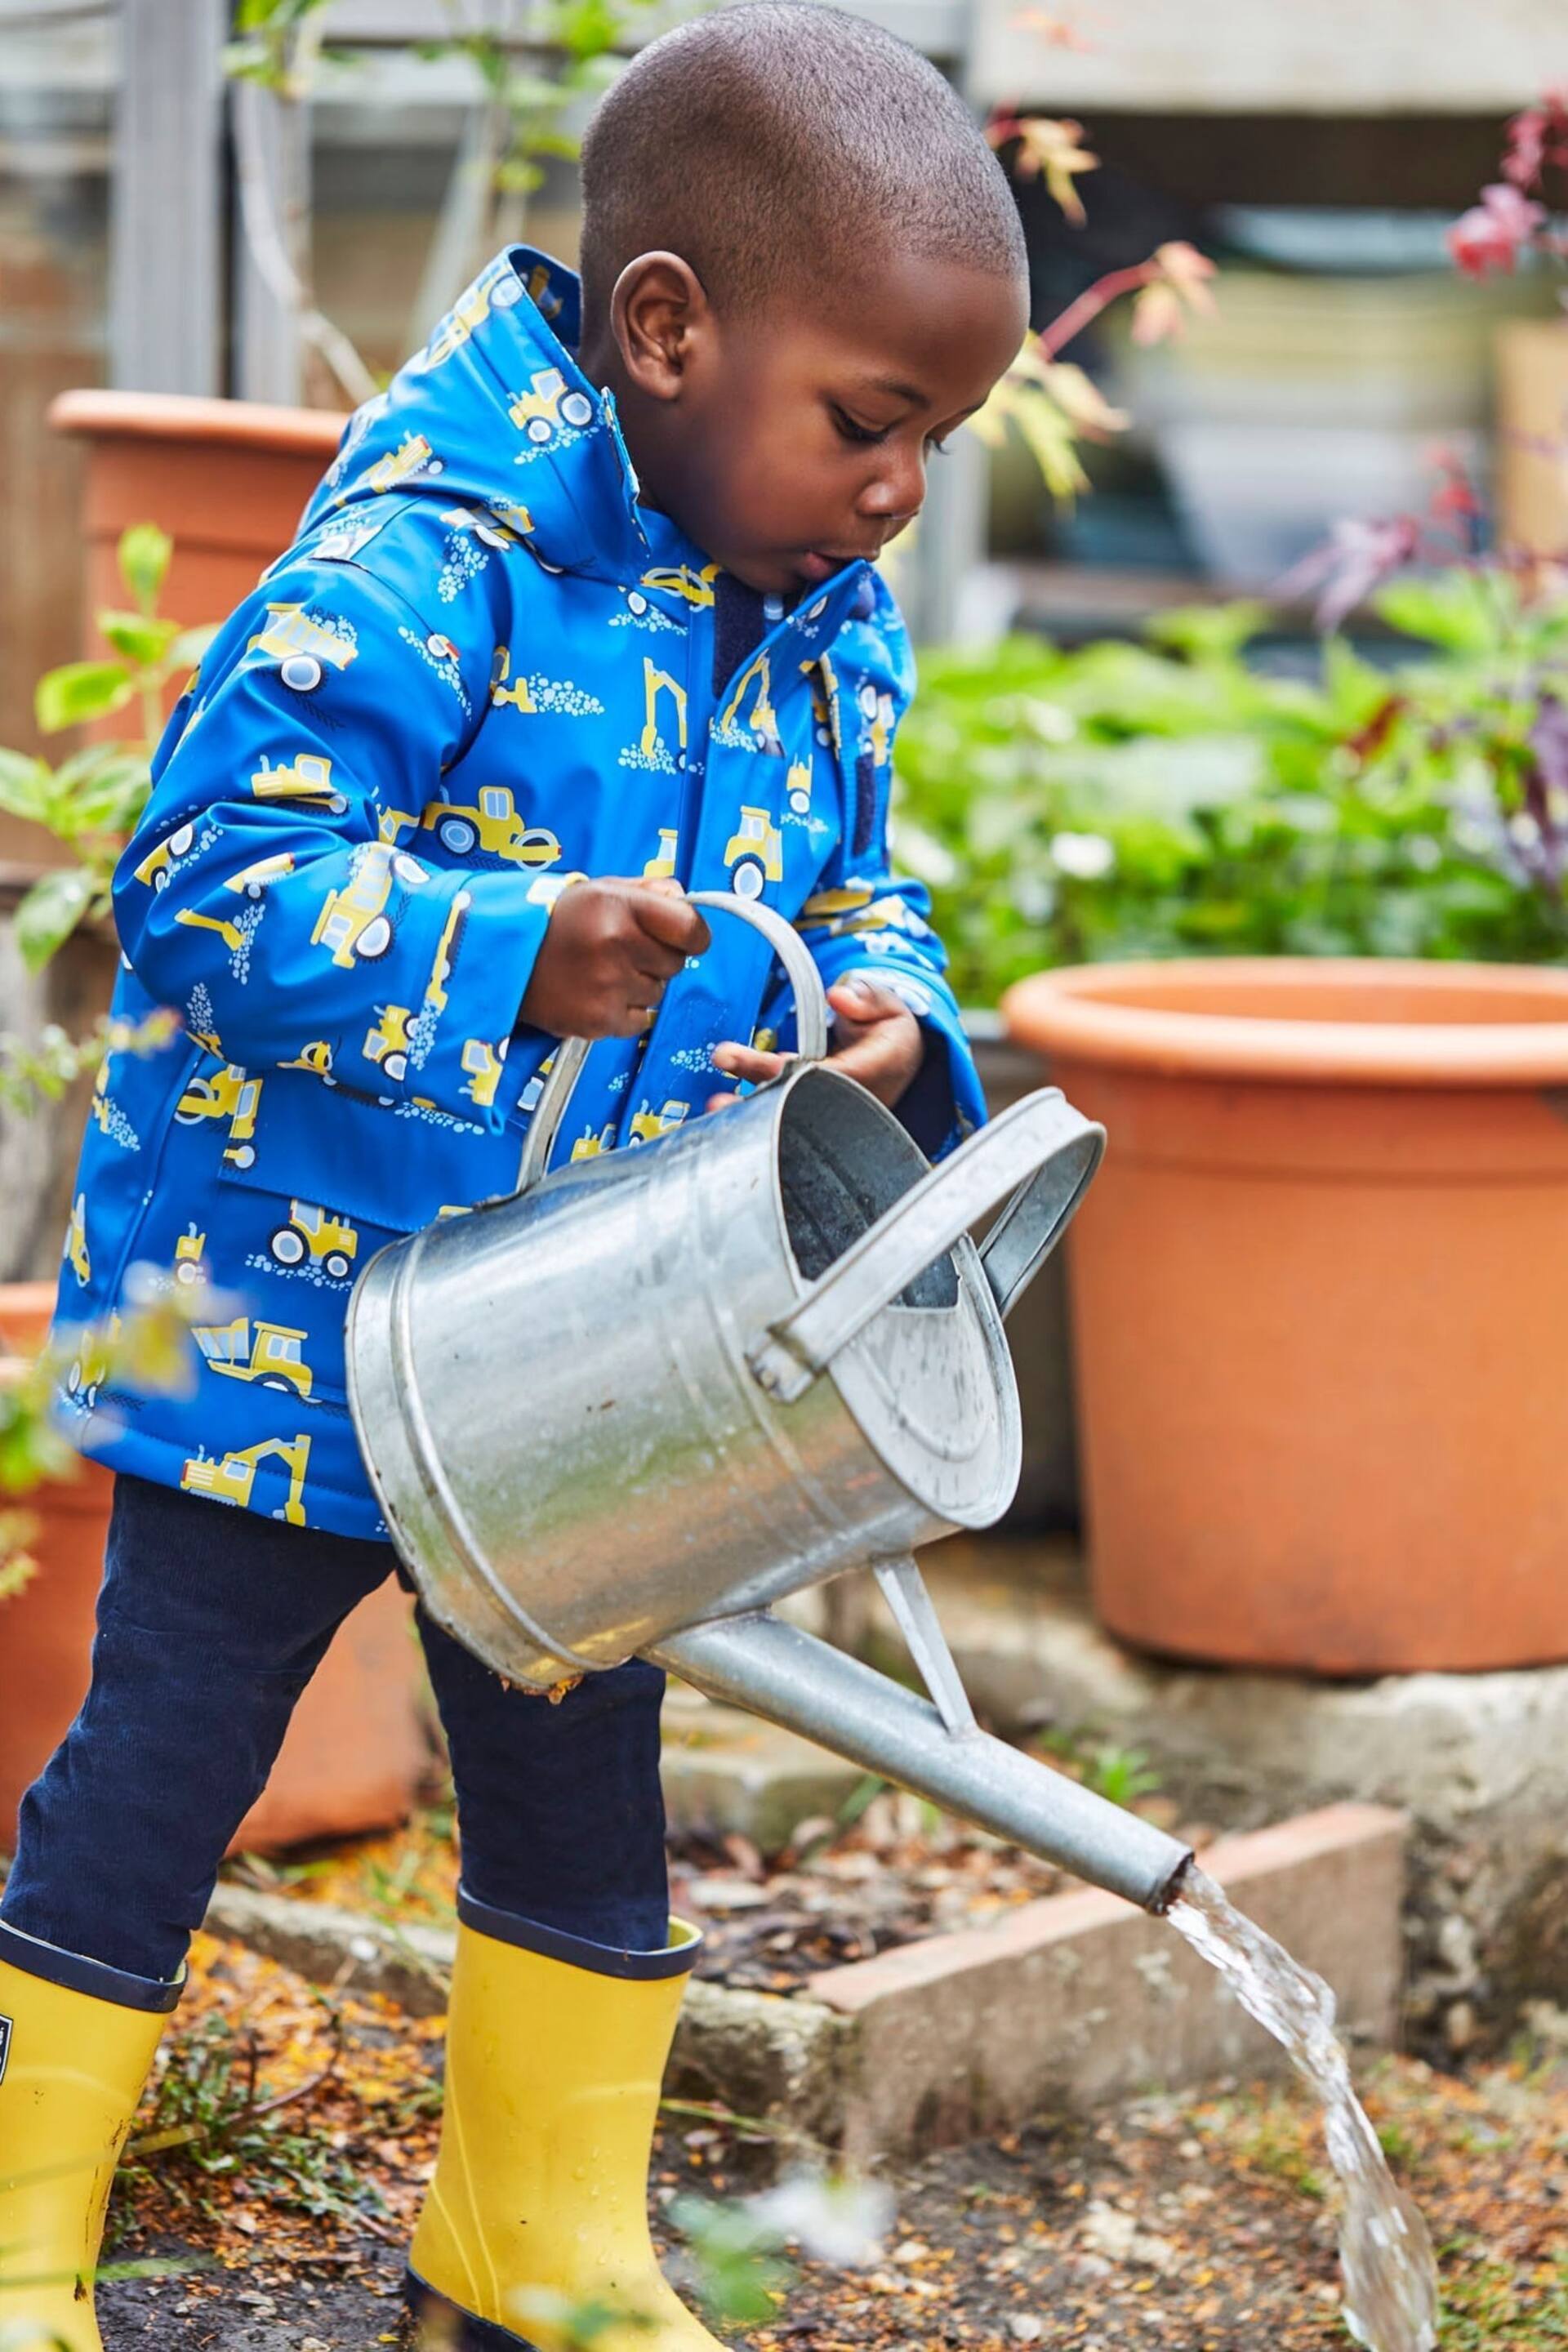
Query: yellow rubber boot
[
  {"x": 555, "y": 2054},
  {"x": 72, "y": 2064}
]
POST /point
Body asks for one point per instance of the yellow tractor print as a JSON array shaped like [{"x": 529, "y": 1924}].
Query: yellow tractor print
[
  {"x": 269, "y": 1353},
  {"x": 312, "y": 1237},
  {"x": 491, "y": 824},
  {"x": 392, "y": 824},
  {"x": 231, "y": 1478},
  {"x": 520, "y": 696},
  {"x": 547, "y": 408},
  {"x": 387, "y": 1043},
  {"x": 754, "y": 855},
  {"x": 353, "y": 921},
  {"x": 483, "y": 1064},
  {"x": 679, "y": 580},
  {"x": 307, "y": 777},
  {"x": 413, "y": 456},
  {"x": 154, "y": 867},
  {"x": 764, "y": 721},
  {"x": 188, "y": 1252},
  {"x": 648, "y": 1123},
  {"x": 589, "y": 1146},
  {"x": 446, "y": 954},
  {"x": 316, "y": 1057},
  {"x": 75, "y": 1249},
  {"x": 655, "y": 681},
  {"x": 797, "y": 787},
  {"x": 661, "y": 867},
  {"x": 228, "y": 1094},
  {"x": 301, "y": 647}
]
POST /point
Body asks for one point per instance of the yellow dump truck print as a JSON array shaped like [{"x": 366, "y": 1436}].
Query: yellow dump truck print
[
  {"x": 754, "y": 854},
  {"x": 302, "y": 648},
  {"x": 307, "y": 777},
  {"x": 231, "y": 1478},
  {"x": 312, "y": 1237},
  {"x": 228, "y": 1094},
  {"x": 413, "y": 457},
  {"x": 490, "y": 823},
  {"x": 269, "y": 1353},
  {"x": 154, "y": 867},
  {"x": 547, "y": 409}
]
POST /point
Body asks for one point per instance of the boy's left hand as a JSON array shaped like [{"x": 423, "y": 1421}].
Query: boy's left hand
[{"x": 877, "y": 1042}]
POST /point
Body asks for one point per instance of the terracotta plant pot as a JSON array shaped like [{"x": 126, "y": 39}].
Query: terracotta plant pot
[
  {"x": 354, "y": 1752},
  {"x": 226, "y": 478},
  {"x": 1320, "y": 1294}
]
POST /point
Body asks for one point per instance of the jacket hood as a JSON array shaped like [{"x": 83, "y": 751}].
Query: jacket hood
[{"x": 496, "y": 413}]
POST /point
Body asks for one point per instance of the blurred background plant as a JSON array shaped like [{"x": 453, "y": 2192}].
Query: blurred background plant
[
  {"x": 92, "y": 800},
  {"x": 1174, "y": 797}
]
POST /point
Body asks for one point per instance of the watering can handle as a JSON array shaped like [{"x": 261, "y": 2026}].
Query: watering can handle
[
  {"x": 1041, "y": 1150},
  {"x": 810, "y": 1021}
]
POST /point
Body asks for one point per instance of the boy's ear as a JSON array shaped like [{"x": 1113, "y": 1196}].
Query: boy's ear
[{"x": 660, "y": 314}]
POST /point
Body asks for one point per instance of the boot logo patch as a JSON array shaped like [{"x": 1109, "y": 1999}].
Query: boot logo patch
[{"x": 4, "y": 2044}]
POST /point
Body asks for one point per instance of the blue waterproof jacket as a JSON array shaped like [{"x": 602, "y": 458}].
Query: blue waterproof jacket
[{"x": 482, "y": 669}]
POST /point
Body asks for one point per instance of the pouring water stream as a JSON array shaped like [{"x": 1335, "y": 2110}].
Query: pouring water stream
[{"x": 1387, "y": 2261}]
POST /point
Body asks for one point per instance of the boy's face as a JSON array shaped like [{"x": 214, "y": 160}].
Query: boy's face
[{"x": 787, "y": 443}]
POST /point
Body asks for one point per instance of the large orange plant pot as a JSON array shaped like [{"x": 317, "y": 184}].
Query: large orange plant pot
[
  {"x": 1321, "y": 1306},
  {"x": 226, "y": 478},
  {"x": 354, "y": 1752}
]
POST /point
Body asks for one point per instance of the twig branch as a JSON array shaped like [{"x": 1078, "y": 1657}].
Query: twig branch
[{"x": 264, "y": 235}]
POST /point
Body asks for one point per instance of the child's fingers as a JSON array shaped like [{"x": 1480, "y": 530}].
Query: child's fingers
[
  {"x": 858, "y": 1000},
  {"x": 664, "y": 913},
  {"x": 746, "y": 1062}
]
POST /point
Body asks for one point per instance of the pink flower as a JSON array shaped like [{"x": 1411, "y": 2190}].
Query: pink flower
[{"x": 1489, "y": 236}]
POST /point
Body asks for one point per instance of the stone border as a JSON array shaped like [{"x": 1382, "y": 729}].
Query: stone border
[{"x": 1062, "y": 2005}]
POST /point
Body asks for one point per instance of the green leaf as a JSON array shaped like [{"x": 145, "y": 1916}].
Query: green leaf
[
  {"x": 100, "y": 789},
  {"x": 79, "y": 691},
  {"x": 1461, "y": 610},
  {"x": 50, "y": 912},
  {"x": 144, "y": 557},
  {"x": 189, "y": 648},
  {"x": 142, "y": 641},
  {"x": 25, "y": 786}
]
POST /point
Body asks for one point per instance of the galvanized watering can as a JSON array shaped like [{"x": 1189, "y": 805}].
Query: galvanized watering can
[{"x": 628, "y": 1407}]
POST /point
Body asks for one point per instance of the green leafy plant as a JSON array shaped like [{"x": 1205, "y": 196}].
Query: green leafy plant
[
  {"x": 92, "y": 800},
  {"x": 1179, "y": 797}
]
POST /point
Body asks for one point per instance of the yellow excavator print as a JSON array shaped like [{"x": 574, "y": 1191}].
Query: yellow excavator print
[
  {"x": 764, "y": 717},
  {"x": 519, "y": 696},
  {"x": 231, "y": 1478},
  {"x": 655, "y": 682},
  {"x": 679, "y": 580},
  {"x": 307, "y": 777},
  {"x": 313, "y": 1236},
  {"x": 446, "y": 953},
  {"x": 270, "y": 1353}
]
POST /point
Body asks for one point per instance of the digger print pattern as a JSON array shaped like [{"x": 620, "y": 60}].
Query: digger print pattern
[{"x": 482, "y": 670}]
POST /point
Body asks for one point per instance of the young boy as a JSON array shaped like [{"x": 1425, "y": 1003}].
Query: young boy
[{"x": 580, "y": 618}]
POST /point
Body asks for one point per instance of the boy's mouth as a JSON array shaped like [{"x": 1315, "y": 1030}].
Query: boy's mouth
[{"x": 816, "y": 567}]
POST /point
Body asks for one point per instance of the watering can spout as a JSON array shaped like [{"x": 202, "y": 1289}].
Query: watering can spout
[{"x": 934, "y": 1749}]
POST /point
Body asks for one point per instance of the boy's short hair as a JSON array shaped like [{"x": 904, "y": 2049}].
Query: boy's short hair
[{"x": 770, "y": 144}]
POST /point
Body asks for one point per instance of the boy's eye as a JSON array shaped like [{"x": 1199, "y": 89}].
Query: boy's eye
[{"x": 863, "y": 435}]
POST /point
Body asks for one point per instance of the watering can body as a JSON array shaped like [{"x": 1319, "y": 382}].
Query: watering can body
[{"x": 627, "y": 1408}]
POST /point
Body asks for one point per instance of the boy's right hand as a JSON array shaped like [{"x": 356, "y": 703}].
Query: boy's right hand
[{"x": 610, "y": 948}]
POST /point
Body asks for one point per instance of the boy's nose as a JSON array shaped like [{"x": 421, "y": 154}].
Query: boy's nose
[{"x": 896, "y": 492}]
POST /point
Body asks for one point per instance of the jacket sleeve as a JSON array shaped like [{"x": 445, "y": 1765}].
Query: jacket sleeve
[
  {"x": 279, "y": 892},
  {"x": 862, "y": 916}
]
